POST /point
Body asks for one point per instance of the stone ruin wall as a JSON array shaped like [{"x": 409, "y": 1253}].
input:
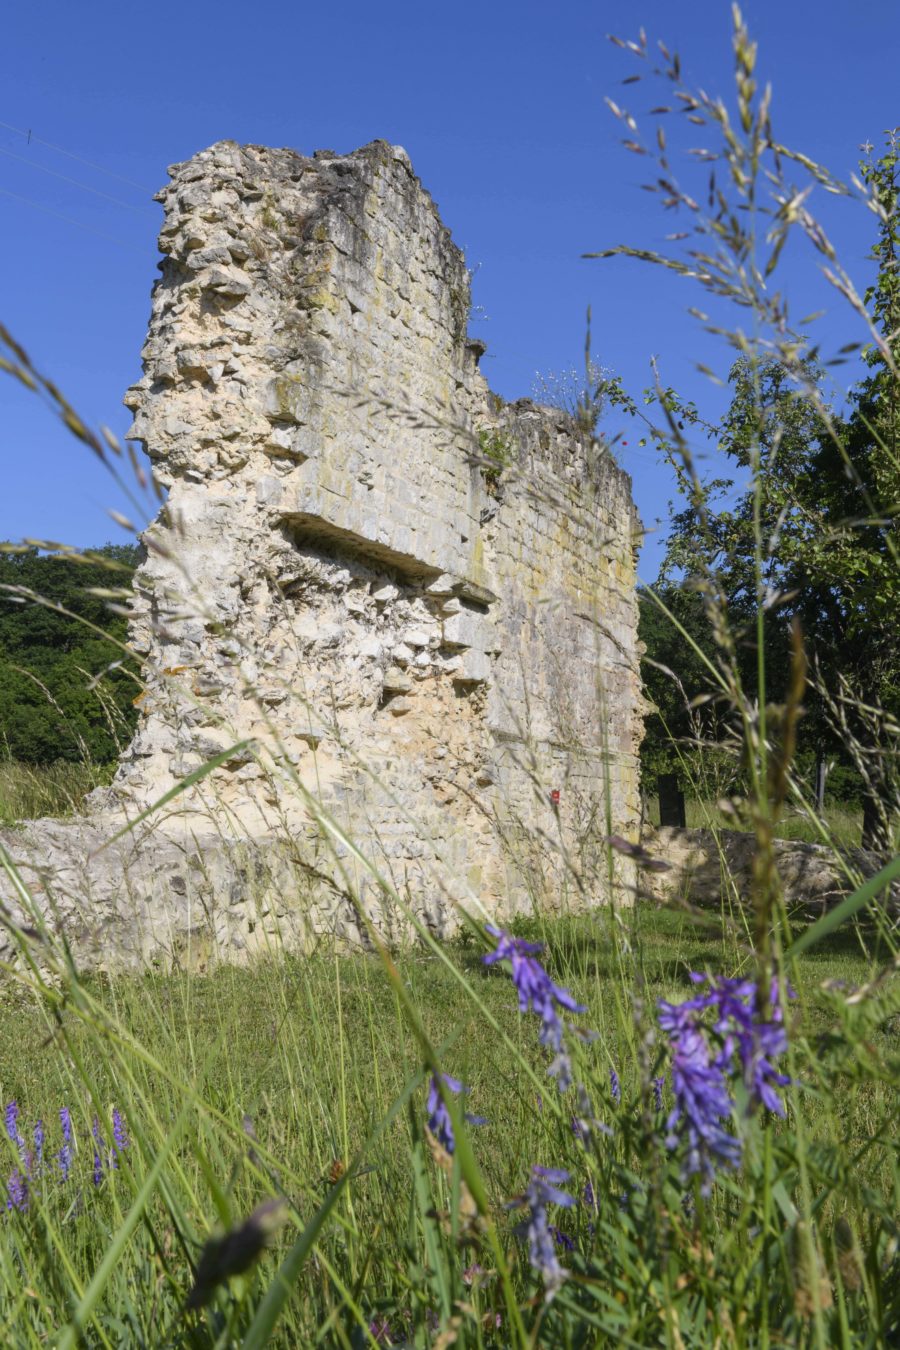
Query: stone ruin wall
[{"x": 416, "y": 601}]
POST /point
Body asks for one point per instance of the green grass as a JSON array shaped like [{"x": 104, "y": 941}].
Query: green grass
[
  {"x": 29, "y": 791},
  {"x": 842, "y": 823},
  {"x": 315, "y": 1052}
]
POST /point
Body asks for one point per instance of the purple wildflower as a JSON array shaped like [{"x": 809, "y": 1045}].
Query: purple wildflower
[
  {"x": 99, "y": 1148},
  {"x": 562, "y": 1239},
  {"x": 65, "y": 1153},
  {"x": 380, "y": 1331},
  {"x": 537, "y": 993},
  {"x": 542, "y": 1191},
  {"x": 439, "y": 1122},
  {"x": 12, "y": 1125},
  {"x": 755, "y": 1040},
  {"x": 748, "y": 1042},
  {"x": 120, "y": 1135},
  {"x": 658, "y": 1085},
  {"x": 17, "y": 1191},
  {"x": 615, "y": 1087},
  {"x": 701, "y": 1097},
  {"x": 39, "y": 1143}
]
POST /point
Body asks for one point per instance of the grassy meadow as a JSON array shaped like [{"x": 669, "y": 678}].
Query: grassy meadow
[
  {"x": 627, "y": 1127},
  {"x": 275, "y": 1079}
]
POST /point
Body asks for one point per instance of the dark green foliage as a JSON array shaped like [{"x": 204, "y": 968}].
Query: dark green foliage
[
  {"x": 823, "y": 495},
  {"x": 775, "y": 430},
  {"x": 805, "y": 532},
  {"x": 673, "y": 675},
  {"x": 50, "y": 706}
]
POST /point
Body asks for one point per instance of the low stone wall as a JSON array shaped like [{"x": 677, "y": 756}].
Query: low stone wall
[
  {"x": 179, "y": 898},
  {"x": 707, "y": 866}
]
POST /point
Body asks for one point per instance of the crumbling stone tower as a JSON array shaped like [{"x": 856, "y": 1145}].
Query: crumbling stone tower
[
  {"x": 400, "y": 611},
  {"x": 414, "y": 597}
]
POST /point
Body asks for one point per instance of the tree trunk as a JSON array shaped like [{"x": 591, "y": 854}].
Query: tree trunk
[{"x": 876, "y": 830}]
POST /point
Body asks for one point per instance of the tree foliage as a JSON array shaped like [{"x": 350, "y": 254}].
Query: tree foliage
[
  {"x": 820, "y": 490},
  {"x": 66, "y": 685}
]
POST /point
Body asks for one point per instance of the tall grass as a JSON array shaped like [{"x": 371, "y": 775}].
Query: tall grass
[
  {"x": 28, "y": 791},
  {"x": 289, "y": 1165},
  {"x": 291, "y": 1065}
]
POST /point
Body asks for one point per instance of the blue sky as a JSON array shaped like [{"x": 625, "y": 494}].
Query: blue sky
[{"x": 500, "y": 106}]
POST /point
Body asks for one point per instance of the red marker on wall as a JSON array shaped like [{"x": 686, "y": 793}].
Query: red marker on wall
[{"x": 554, "y": 797}]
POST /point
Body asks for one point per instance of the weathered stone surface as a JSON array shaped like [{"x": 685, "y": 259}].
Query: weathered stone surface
[
  {"x": 412, "y": 640},
  {"x": 707, "y": 867}
]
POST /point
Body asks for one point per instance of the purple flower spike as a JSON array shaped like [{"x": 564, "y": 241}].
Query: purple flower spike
[
  {"x": 543, "y": 1190},
  {"x": 658, "y": 1085},
  {"x": 533, "y": 984},
  {"x": 17, "y": 1191},
  {"x": 12, "y": 1125},
  {"x": 701, "y": 1098},
  {"x": 439, "y": 1122},
  {"x": 615, "y": 1087},
  {"x": 120, "y": 1135},
  {"x": 39, "y": 1144},
  {"x": 65, "y": 1153},
  {"x": 747, "y": 1043},
  {"x": 537, "y": 993},
  {"x": 752, "y": 1040}
]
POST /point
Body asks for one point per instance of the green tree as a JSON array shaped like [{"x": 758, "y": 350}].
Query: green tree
[
  {"x": 822, "y": 492},
  {"x": 66, "y": 686},
  {"x": 850, "y": 595},
  {"x": 674, "y": 676}
]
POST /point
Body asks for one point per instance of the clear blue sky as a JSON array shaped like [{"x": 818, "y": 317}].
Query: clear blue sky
[{"x": 500, "y": 106}]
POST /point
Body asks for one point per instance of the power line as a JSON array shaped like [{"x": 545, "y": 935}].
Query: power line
[
  {"x": 29, "y": 137},
  {"x": 85, "y": 187},
  {"x": 38, "y": 206}
]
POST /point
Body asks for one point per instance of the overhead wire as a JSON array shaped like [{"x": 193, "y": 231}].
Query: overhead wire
[
  {"x": 58, "y": 149},
  {"x": 38, "y": 206},
  {"x": 76, "y": 182},
  {"x": 73, "y": 182}
]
